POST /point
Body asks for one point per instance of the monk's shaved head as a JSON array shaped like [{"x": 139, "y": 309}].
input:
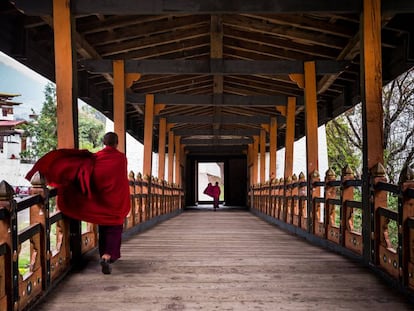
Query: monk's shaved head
[{"x": 110, "y": 139}]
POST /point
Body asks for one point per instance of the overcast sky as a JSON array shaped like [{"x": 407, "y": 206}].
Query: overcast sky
[{"x": 15, "y": 78}]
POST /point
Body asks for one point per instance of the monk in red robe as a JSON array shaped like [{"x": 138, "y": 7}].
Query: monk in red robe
[
  {"x": 92, "y": 187},
  {"x": 216, "y": 195}
]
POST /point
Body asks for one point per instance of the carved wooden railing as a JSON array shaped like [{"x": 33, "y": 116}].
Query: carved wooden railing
[
  {"x": 331, "y": 210},
  {"x": 46, "y": 240}
]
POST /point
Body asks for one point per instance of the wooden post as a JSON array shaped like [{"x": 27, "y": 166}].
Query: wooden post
[
  {"x": 311, "y": 110},
  {"x": 311, "y": 114},
  {"x": 262, "y": 156},
  {"x": 149, "y": 122},
  {"x": 372, "y": 112},
  {"x": 255, "y": 153},
  {"x": 65, "y": 70},
  {"x": 273, "y": 147},
  {"x": 407, "y": 255},
  {"x": 161, "y": 148},
  {"x": 290, "y": 136},
  {"x": 177, "y": 176},
  {"x": 119, "y": 103},
  {"x": 170, "y": 156}
]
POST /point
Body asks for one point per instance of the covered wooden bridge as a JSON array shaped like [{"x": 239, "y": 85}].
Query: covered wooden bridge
[{"x": 202, "y": 81}]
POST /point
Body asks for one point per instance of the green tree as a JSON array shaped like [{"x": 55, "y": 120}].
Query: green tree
[
  {"x": 343, "y": 150},
  {"x": 91, "y": 129},
  {"x": 345, "y": 134},
  {"x": 43, "y": 130}
]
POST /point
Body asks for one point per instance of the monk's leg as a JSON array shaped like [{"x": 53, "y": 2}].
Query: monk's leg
[{"x": 109, "y": 245}]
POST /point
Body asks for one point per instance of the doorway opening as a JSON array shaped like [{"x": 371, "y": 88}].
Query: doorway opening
[{"x": 209, "y": 172}]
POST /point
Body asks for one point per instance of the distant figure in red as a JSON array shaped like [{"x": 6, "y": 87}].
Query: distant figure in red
[
  {"x": 92, "y": 187},
  {"x": 216, "y": 195},
  {"x": 209, "y": 190}
]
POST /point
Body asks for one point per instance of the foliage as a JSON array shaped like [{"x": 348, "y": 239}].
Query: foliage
[
  {"x": 342, "y": 150},
  {"x": 91, "y": 130},
  {"x": 43, "y": 130},
  {"x": 398, "y": 100},
  {"x": 344, "y": 134}
]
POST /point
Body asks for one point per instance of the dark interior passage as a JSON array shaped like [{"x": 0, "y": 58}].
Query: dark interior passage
[{"x": 235, "y": 179}]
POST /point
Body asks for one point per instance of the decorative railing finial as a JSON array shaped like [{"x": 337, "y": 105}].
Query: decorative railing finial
[
  {"x": 38, "y": 180},
  {"x": 315, "y": 174},
  {"x": 378, "y": 170},
  {"x": 347, "y": 170},
  {"x": 330, "y": 174},
  {"x": 6, "y": 191}
]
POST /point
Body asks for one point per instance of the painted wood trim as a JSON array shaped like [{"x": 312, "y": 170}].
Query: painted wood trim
[
  {"x": 255, "y": 154},
  {"x": 148, "y": 133},
  {"x": 64, "y": 64},
  {"x": 262, "y": 156},
  {"x": 170, "y": 156},
  {"x": 119, "y": 103},
  {"x": 177, "y": 175},
  {"x": 372, "y": 101},
  {"x": 161, "y": 148},
  {"x": 290, "y": 136},
  {"x": 273, "y": 147},
  {"x": 311, "y": 115}
]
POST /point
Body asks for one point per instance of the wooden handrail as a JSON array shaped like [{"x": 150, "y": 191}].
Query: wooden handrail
[
  {"x": 150, "y": 198},
  {"x": 336, "y": 216}
]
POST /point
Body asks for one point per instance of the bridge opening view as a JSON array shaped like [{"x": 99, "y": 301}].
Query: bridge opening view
[{"x": 210, "y": 173}]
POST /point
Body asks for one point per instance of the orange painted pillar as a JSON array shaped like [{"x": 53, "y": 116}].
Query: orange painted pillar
[
  {"x": 177, "y": 176},
  {"x": 161, "y": 148},
  {"x": 255, "y": 154},
  {"x": 65, "y": 71},
  {"x": 372, "y": 115},
  {"x": 170, "y": 156},
  {"x": 262, "y": 156},
  {"x": 290, "y": 136},
  {"x": 311, "y": 116},
  {"x": 119, "y": 103},
  {"x": 149, "y": 123},
  {"x": 273, "y": 148},
  {"x": 311, "y": 111}
]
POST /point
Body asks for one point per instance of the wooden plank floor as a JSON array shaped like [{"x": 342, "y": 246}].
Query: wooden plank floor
[{"x": 224, "y": 260}]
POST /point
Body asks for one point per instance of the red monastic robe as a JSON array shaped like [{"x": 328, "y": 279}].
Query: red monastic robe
[{"x": 92, "y": 187}]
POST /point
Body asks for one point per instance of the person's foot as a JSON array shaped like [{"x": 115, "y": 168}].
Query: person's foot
[{"x": 106, "y": 267}]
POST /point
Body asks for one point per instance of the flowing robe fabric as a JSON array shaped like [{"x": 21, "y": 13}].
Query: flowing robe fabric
[
  {"x": 92, "y": 187},
  {"x": 209, "y": 190}
]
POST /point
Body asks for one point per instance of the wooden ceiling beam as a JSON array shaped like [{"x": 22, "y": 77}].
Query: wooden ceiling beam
[
  {"x": 216, "y": 140},
  {"x": 211, "y": 100},
  {"x": 275, "y": 42},
  {"x": 154, "y": 41},
  {"x": 165, "y": 51},
  {"x": 222, "y": 132},
  {"x": 213, "y": 66},
  {"x": 133, "y": 7},
  {"x": 224, "y": 119},
  {"x": 299, "y": 35},
  {"x": 216, "y": 150}
]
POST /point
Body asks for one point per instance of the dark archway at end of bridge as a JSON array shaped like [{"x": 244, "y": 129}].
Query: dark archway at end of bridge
[{"x": 235, "y": 179}]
